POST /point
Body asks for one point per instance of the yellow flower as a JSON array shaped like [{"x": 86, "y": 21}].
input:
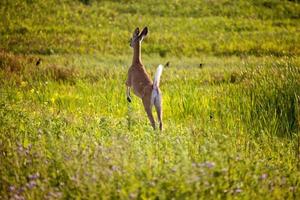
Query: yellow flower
[{"x": 23, "y": 84}]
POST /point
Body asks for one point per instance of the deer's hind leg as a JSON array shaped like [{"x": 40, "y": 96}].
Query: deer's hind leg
[
  {"x": 158, "y": 108},
  {"x": 148, "y": 109}
]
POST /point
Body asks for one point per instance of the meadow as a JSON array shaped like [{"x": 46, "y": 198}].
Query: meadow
[{"x": 231, "y": 100}]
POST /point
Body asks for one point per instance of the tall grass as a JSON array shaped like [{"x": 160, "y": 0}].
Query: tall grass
[
  {"x": 230, "y": 100},
  {"x": 229, "y": 133}
]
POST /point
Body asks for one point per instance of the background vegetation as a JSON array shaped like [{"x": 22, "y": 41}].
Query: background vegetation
[{"x": 231, "y": 100}]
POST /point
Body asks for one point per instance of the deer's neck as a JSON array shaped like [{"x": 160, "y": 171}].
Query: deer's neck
[{"x": 137, "y": 54}]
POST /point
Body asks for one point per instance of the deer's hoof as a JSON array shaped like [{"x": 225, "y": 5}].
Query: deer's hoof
[{"x": 129, "y": 99}]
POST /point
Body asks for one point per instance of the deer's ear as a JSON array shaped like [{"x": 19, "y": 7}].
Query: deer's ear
[
  {"x": 143, "y": 33},
  {"x": 136, "y": 32}
]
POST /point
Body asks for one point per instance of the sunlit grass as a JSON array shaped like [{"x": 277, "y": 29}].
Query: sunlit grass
[
  {"x": 231, "y": 100},
  {"x": 229, "y": 131},
  {"x": 188, "y": 28}
]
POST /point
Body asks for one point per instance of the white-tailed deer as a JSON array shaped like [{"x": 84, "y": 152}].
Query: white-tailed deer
[{"x": 140, "y": 81}]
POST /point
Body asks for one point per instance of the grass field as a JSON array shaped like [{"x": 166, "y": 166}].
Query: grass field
[{"x": 231, "y": 125}]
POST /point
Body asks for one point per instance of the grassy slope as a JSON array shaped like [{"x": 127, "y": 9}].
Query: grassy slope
[
  {"x": 231, "y": 128},
  {"x": 177, "y": 28}
]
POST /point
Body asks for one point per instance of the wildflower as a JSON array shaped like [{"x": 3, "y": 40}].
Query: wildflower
[
  {"x": 11, "y": 188},
  {"x": 210, "y": 164},
  {"x": 74, "y": 178},
  {"x": 21, "y": 189},
  {"x": 132, "y": 195},
  {"x": 238, "y": 190},
  {"x": 20, "y": 148},
  {"x": 23, "y": 84},
  {"x": 283, "y": 181},
  {"x": 152, "y": 183},
  {"x": 34, "y": 176},
  {"x": 207, "y": 164},
  {"x": 114, "y": 168},
  {"x": 206, "y": 183},
  {"x": 238, "y": 158},
  {"x": 31, "y": 184},
  {"x": 292, "y": 189},
  {"x": 18, "y": 197},
  {"x": 263, "y": 176},
  {"x": 52, "y": 99},
  {"x": 174, "y": 169}
]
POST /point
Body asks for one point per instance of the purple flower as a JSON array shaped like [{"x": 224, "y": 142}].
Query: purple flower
[
  {"x": 21, "y": 189},
  {"x": 238, "y": 190},
  {"x": 263, "y": 176},
  {"x": 34, "y": 176},
  {"x": 114, "y": 168},
  {"x": 31, "y": 184},
  {"x": 207, "y": 164}
]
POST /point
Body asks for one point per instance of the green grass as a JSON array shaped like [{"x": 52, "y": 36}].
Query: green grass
[
  {"x": 231, "y": 127},
  {"x": 186, "y": 28}
]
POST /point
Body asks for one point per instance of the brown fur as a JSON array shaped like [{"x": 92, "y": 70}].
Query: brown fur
[{"x": 139, "y": 80}]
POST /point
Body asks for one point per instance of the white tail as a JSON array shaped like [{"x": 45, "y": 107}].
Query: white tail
[
  {"x": 157, "y": 76},
  {"x": 155, "y": 97}
]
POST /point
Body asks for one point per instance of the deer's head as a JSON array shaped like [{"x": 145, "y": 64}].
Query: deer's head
[{"x": 138, "y": 37}]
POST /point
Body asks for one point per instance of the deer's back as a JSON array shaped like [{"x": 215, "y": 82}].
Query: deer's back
[{"x": 140, "y": 80}]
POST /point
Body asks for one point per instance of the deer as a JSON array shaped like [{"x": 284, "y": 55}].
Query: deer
[{"x": 141, "y": 83}]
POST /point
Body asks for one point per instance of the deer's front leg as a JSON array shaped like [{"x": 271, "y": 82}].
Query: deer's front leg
[{"x": 128, "y": 94}]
